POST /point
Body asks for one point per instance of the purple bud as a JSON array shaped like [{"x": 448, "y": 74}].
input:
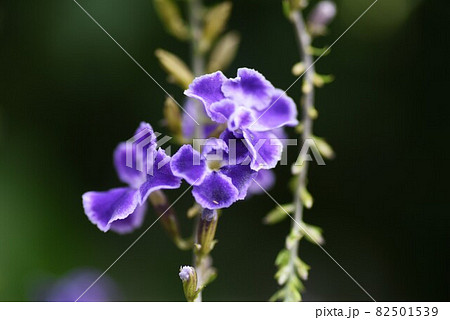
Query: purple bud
[
  {"x": 208, "y": 214},
  {"x": 321, "y": 16},
  {"x": 185, "y": 273},
  {"x": 188, "y": 276},
  {"x": 206, "y": 231}
]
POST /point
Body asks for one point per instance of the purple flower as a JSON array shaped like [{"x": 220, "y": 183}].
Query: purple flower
[
  {"x": 217, "y": 183},
  {"x": 122, "y": 209},
  {"x": 71, "y": 287},
  {"x": 251, "y": 108}
]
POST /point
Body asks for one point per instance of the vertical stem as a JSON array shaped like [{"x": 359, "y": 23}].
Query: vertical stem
[
  {"x": 198, "y": 67},
  {"x": 168, "y": 219},
  {"x": 304, "y": 43},
  {"x": 198, "y": 263},
  {"x": 197, "y": 57},
  {"x": 195, "y": 21}
]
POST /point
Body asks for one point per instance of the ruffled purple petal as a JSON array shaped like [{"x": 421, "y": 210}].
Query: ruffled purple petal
[
  {"x": 103, "y": 208},
  {"x": 160, "y": 177},
  {"x": 280, "y": 133},
  {"x": 281, "y": 111},
  {"x": 222, "y": 110},
  {"x": 265, "y": 149},
  {"x": 132, "y": 222},
  {"x": 238, "y": 151},
  {"x": 212, "y": 145},
  {"x": 249, "y": 89},
  {"x": 216, "y": 191},
  {"x": 265, "y": 180},
  {"x": 241, "y": 118},
  {"x": 133, "y": 157},
  {"x": 144, "y": 131},
  {"x": 207, "y": 88},
  {"x": 188, "y": 164},
  {"x": 127, "y": 174},
  {"x": 241, "y": 177}
]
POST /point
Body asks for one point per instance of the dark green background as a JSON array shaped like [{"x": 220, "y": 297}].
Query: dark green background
[{"x": 68, "y": 95}]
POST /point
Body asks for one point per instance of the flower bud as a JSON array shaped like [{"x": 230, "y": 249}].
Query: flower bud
[
  {"x": 321, "y": 16},
  {"x": 206, "y": 231},
  {"x": 188, "y": 276}
]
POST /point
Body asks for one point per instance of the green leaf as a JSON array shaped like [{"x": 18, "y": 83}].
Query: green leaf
[
  {"x": 298, "y": 69},
  {"x": 224, "y": 52},
  {"x": 282, "y": 275},
  {"x": 295, "y": 283},
  {"x": 306, "y": 198},
  {"x": 215, "y": 21},
  {"x": 319, "y": 51},
  {"x": 324, "y": 148},
  {"x": 175, "y": 67},
  {"x": 278, "y": 214},
  {"x": 312, "y": 233},
  {"x": 301, "y": 268},
  {"x": 292, "y": 294},
  {"x": 280, "y": 294},
  {"x": 282, "y": 258},
  {"x": 286, "y": 8},
  {"x": 171, "y": 17},
  {"x": 321, "y": 79},
  {"x": 293, "y": 237}
]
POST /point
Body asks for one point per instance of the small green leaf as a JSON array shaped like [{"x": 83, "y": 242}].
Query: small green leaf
[
  {"x": 312, "y": 233},
  {"x": 301, "y": 268},
  {"x": 224, "y": 52},
  {"x": 319, "y": 51},
  {"x": 286, "y": 8},
  {"x": 278, "y": 214},
  {"x": 321, "y": 80},
  {"x": 171, "y": 17},
  {"x": 306, "y": 198},
  {"x": 298, "y": 69},
  {"x": 324, "y": 148},
  {"x": 194, "y": 211},
  {"x": 292, "y": 294},
  {"x": 313, "y": 113},
  {"x": 282, "y": 258},
  {"x": 215, "y": 21},
  {"x": 293, "y": 237},
  {"x": 175, "y": 67},
  {"x": 295, "y": 283},
  {"x": 280, "y": 294},
  {"x": 282, "y": 275}
]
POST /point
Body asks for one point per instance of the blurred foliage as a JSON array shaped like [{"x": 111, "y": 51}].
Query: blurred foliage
[{"x": 68, "y": 95}]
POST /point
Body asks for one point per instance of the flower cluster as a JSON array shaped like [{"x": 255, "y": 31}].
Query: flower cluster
[
  {"x": 252, "y": 113},
  {"x": 123, "y": 209}
]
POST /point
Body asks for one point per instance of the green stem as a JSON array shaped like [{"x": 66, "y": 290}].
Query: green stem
[
  {"x": 197, "y": 57},
  {"x": 169, "y": 220},
  {"x": 304, "y": 43},
  {"x": 201, "y": 263}
]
